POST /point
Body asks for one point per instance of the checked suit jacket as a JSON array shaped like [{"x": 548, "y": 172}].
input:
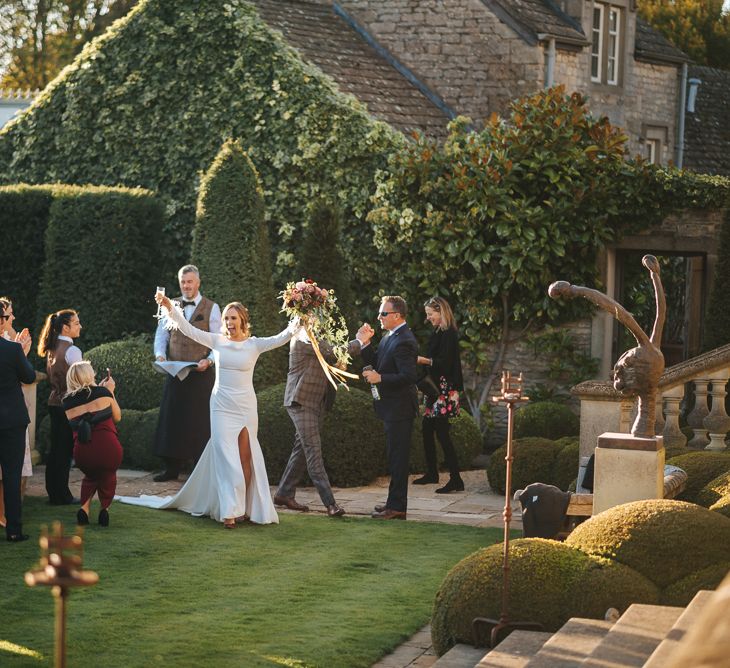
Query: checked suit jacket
[{"x": 306, "y": 383}]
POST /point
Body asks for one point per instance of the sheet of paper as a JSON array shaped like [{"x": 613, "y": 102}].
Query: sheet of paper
[{"x": 179, "y": 369}]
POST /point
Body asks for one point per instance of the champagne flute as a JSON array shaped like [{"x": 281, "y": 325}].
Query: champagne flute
[{"x": 160, "y": 291}]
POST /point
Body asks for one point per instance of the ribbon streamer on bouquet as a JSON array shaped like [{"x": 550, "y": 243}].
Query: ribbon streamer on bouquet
[{"x": 334, "y": 375}]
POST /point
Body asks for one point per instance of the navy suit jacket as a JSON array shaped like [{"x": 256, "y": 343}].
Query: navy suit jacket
[
  {"x": 14, "y": 370},
  {"x": 395, "y": 361}
]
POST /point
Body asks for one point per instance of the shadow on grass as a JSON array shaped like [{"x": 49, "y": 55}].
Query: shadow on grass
[{"x": 180, "y": 591}]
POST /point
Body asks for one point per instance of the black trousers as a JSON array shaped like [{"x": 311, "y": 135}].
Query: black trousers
[
  {"x": 398, "y": 447},
  {"x": 440, "y": 428},
  {"x": 12, "y": 452},
  {"x": 58, "y": 461}
]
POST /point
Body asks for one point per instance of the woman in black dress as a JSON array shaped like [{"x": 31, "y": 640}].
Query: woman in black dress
[
  {"x": 92, "y": 413},
  {"x": 443, "y": 364}
]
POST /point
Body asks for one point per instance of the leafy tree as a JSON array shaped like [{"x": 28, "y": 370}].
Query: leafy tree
[
  {"x": 321, "y": 257},
  {"x": 39, "y": 37},
  {"x": 491, "y": 218},
  {"x": 701, "y": 28},
  {"x": 231, "y": 248}
]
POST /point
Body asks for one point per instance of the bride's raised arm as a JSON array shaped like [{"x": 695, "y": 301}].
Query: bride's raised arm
[
  {"x": 176, "y": 320},
  {"x": 265, "y": 343}
]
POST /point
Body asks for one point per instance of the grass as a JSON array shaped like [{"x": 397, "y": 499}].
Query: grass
[{"x": 179, "y": 591}]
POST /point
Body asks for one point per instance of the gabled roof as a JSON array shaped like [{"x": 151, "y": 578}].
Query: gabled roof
[
  {"x": 530, "y": 18},
  {"x": 707, "y": 130},
  {"x": 335, "y": 47},
  {"x": 652, "y": 46}
]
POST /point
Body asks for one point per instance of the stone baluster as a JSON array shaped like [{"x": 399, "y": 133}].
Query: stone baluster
[
  {"x": 673, "y": 436},
  {"x": 698, "y": 414},
  {"x": 718, "y": 421},
  {"x": 659, "y": 420}
]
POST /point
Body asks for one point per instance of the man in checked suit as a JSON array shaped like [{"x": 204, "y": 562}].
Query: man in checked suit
[
  {"x": 308, "y": 396},
  {"x": 394, "y": 374}
]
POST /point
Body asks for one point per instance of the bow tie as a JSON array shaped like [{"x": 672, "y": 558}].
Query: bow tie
[{"x": 184, "y": 303}]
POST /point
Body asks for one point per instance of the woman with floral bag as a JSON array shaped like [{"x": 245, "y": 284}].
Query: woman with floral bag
[{"x": 443, "y": 364}]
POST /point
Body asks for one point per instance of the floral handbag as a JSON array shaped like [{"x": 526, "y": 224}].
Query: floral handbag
[{"x": 446, "y": 403}]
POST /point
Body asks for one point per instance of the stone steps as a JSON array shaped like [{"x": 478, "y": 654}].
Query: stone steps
[
  {"x": 575, "y": 640},
  {"x": 516, "y": 650}
]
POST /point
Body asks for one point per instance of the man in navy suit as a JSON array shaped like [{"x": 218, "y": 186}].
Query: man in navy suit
[
  {"x": 394, "y": 374},
  {"x": 14, "y": 419}
]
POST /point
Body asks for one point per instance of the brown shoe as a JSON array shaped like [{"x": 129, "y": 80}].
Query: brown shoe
[
  {"x": 380, "y": 508},
  {"x": 389, "y": 514},
  {"x": 335, "y": 511},
  {"x": 290, "y": 503}
]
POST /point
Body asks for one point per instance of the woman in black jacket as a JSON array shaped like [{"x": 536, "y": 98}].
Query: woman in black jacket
[{"x": 443, "y": 364}]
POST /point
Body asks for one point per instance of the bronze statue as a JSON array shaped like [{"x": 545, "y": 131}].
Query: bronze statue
[{"x": 638, "y": 370}]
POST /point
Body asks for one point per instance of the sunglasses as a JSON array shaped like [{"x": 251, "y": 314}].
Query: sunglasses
[{"x": 383, "y": 314}]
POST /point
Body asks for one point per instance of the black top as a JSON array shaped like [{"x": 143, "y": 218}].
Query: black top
[
  {"x": 443, "y": 349},
  {"x": 14, "y": 370},
  {"x": 85, "y": 423}
]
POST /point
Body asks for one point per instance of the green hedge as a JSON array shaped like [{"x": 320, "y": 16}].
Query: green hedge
[
  {"x": 664, "y": 540},
  {"x": 717, "y": 319},
  {"x": 231, "y": 249},
  {"x": 139, "y": 386},
  {"x": 137, "y": 436},
  {"x": 535, "y": 460},
  {"x": 701, "y": 466},
  {"x": 550, "y": 582},
  {"x": 546, "y": 419},
  {"x": 100, "y": 245},
  {"x": 23, "y": 220},
  {"x": 353, "y": 442},
  {"x": 138, "y": 107}
]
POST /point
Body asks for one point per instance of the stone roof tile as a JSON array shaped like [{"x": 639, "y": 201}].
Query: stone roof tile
[
  {"x": 328, "y": 42},
  {"x": 651, "y": 45},
  {"x": 541, "y": 17}
]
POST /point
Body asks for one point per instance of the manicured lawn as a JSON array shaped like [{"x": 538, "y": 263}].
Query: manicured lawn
[{"x": 181, "y": 591}]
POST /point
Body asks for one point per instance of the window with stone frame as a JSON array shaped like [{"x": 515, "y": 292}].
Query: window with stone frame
[
  {"x": 654, "y": 138},
  {"x": 606, "y": 40}
]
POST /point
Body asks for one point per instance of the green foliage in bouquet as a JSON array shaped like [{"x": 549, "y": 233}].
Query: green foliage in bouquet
[
  {"x": 23, "y": 219},
  {"x": 138, "y": 107},
  {"x": 231, "y": 249},
  {"x": 139, "y": 386},
  {"x": 99, "y": 245}
]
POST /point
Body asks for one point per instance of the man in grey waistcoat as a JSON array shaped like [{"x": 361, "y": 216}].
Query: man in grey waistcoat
[{"x": 308, "y": 396}]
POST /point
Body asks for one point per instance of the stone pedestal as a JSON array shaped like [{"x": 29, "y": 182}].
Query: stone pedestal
[{"x": 628, "y": 469}]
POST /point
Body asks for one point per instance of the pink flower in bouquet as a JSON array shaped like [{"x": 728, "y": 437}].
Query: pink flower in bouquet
[
  {"x": 300, "y": 285},
  {"x": 443, "y": 411}
]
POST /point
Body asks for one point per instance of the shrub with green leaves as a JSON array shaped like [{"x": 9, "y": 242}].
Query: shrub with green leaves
[
  {"x": 550, "y": 582},
  {"x": 23, "y": 219},
  {"x": 231, "y": 249},
  {"x": 353, "y": 442},
  {"x": 533, "y": 461},
  {"x": 701, "y": 466},
  {"x": 465, "y": 435},
  {"x": 138, "y": 107},
  {"x": 100, "y": 244},
  {"x": 714, "y": 490},
  {"x": 546, "y": 419},
  {"x": 137, "y": 435},
  {"x": 664, "y": 540},
  {"x": 139, "y": 386},
  {"x": 717, "y": 320}
]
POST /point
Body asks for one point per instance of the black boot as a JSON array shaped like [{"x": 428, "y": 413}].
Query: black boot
[{"x": 455, "y": 484}]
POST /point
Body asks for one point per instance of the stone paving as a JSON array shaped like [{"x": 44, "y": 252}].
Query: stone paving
[{"x": 477, "y": 506}]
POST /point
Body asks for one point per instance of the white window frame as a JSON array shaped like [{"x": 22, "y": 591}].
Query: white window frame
[
  {"x": 597, "y": 57},
  {"x": 616, "y": 35},
  {"x": 653, "y": 149}
]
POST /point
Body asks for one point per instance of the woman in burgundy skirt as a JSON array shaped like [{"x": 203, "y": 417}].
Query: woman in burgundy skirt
[{"x": 92, "y": 412}]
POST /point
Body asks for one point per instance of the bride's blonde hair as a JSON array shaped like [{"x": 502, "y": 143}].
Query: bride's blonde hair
[
  {"x": 242, "y": 314},
  {"x": 80, "y": 376}
]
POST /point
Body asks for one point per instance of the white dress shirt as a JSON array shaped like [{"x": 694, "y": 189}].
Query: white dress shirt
[
  {"x": 73, "y": 354},
  {"x": 162, "y": 335}
]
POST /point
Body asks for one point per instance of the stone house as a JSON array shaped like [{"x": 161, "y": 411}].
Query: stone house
[{"x": 13, "y": 102}]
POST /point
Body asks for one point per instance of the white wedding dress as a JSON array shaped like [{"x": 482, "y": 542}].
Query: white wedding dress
[{"x": 216, "y": 487}]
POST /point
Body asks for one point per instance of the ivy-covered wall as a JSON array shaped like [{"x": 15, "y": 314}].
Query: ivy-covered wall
[{"x": 150, "y": 103}]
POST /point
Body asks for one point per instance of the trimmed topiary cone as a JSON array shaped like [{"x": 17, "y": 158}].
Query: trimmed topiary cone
[
  {"x": 701, "y": 467},
  {"x": 550, "y": 582},
  {"x": 663, "y": 540}
]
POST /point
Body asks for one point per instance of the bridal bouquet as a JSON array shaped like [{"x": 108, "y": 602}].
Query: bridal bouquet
[{"x": 317, "y": 308}]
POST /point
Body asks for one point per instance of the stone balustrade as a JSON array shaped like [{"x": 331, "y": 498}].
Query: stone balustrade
[{"x": 605, "y": 410}]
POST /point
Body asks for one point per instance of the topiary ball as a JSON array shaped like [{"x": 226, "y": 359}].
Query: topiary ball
[
  {"x": 465, "y": 435},
  {"x": 139, "y": 386},
  {"x": 682, "y": 592},
  {"x": 137, "y": 435},
  {"x": 550, "y": 582},
  {"x": 546, "y": 419},
  {"x": 701, "y": 467},
  {"x": 353, "y": 440},
  {"x": 714, "y": 490},
  {"x": 565, "y": 467},
  {"x": 661, "y": 539},
  {"x": 533, "y": 461},
  {"x": 722, "y": 506}
]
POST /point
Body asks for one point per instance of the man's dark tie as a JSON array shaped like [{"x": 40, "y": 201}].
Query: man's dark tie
[{"x": 186, "y": 303}]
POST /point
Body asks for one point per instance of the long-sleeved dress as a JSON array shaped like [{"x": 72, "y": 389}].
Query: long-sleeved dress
[{"x": 216, "y": 487}]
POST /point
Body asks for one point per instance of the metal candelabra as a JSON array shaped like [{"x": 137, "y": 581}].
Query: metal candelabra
[
  {"x": 499, "y": 629},
  {"x": 60, "y": 569}
]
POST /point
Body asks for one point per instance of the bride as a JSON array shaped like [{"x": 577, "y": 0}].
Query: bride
[{"x": 229, "y": 481}]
